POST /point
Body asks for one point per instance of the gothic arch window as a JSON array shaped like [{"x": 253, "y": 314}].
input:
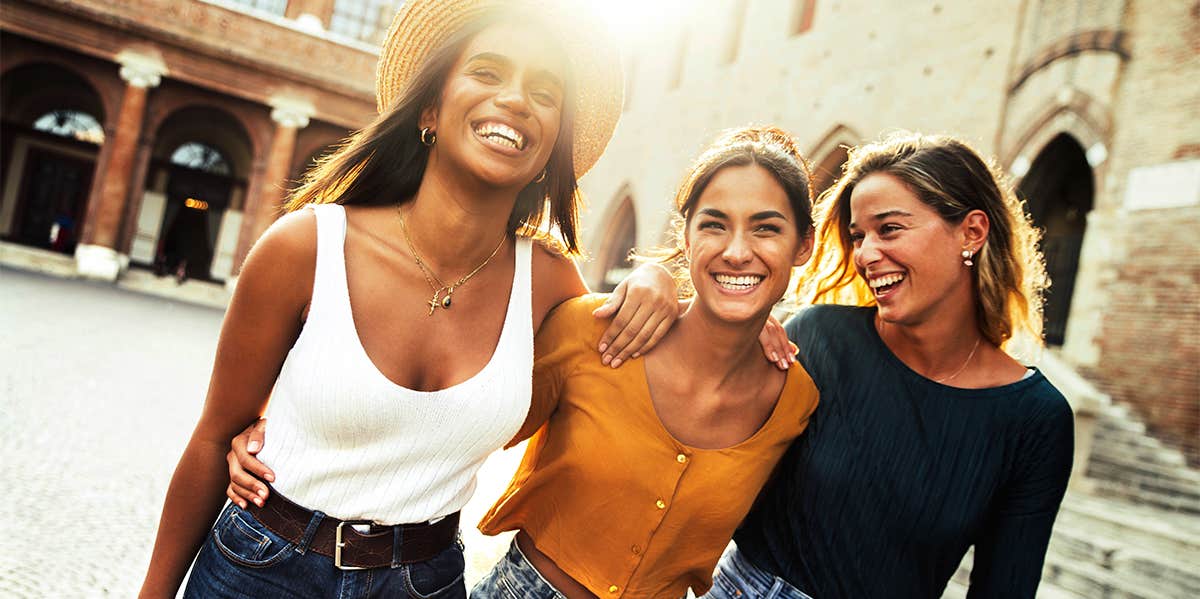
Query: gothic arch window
[
  {"x": 72, "y": 124},
  {"x": 619, "y": 239},
  {"x": 201, "y": 157}
]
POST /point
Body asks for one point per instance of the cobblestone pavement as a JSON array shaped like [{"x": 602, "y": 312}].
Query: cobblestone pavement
[{"x": 99, "y": 390}]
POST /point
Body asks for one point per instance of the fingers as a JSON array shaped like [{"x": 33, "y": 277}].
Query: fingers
[
  {"x": 243, "y": 484},
  {"x": 615, "y": 301},
  {"x": 776, "y": 346},
  {"x": 633, "y": 326},
  {"x": 256, "y": 436},
  {"x": 610, "y": 306}
]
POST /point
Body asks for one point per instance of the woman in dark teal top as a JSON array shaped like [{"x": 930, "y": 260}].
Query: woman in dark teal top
[{"x": 930, "y": 438}]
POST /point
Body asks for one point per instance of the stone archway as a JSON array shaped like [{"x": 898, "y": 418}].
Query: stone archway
[
  {"x": 1060, "y": 192},
  {"x": 619, "y": 239},
  {"x": 50, "y": 139},
  {"x": 830, "y": 155},
  {"x": 194, "y": 195}
]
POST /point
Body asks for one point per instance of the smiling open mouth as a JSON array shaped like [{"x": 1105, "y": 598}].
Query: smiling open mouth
[
  {"x": 883, "y": 285},
  {"x": 501, "y": 134},
  {"x": 740, "y": 282}
]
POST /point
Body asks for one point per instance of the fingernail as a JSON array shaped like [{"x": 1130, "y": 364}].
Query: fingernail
[
  {"x": 636, "y": 354},
  {"x": 607, "y": 358},
  {"x": 616, "y": 363},
  {"x": 262, "y": 492},
  {"x": 774, "y": 357},
  {"x": 258, "y": 502},
  {"x": 270, "y": 476},
  {"x": 603, "y": 346},
  {"x": 241, "y": 504},
  {"x": 253, "y": 446}
]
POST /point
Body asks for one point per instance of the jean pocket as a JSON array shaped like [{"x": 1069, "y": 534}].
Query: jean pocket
[
  {"x": 245, "y": 541},
  {"x": 438, "y": 577}
]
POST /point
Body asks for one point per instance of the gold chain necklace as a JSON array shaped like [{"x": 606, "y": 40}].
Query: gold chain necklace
[
  {"x": 438, "y": 299},
  {"x": 964, "y": 364}
]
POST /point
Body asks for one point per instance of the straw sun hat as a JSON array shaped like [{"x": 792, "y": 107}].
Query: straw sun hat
[{"x": 421, "y": 26}]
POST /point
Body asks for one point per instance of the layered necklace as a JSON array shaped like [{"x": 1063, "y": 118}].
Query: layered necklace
[{"x": 441, "y": 291}]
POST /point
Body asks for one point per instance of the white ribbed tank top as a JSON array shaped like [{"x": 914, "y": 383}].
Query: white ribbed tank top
[{"x": 344, "y": 439}]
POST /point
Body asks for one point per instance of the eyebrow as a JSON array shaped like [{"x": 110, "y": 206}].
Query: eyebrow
[
  {"x": 764, "y": 215},
  {"x": 504, "y": 60},
  {"x": 883, "y": 215}
]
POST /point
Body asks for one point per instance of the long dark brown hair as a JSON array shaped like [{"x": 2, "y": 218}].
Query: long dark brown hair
[{"x": 384, "y": 162}]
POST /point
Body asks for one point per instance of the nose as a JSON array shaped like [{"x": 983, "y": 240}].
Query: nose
[
  {"x": 867, "y": 252},
  {"x": 512, "y": 98},
  {"x": 737, "y": 252}
]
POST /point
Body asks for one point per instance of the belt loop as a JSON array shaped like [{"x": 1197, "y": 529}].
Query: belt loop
[
  {"x": 397, "y": 541},
  {"x": 310, "y": 531}
]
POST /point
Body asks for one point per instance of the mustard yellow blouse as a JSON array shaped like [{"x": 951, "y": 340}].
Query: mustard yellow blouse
[{"x": 607, "y": 493}]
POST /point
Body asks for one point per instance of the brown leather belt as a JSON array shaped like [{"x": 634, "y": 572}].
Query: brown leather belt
[{"x": 354, "y": 550}]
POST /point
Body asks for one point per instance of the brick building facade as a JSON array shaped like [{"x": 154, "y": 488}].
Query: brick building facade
[
  {"x": 1092, "y": 106},
  {"x": 163, "y": 133}
]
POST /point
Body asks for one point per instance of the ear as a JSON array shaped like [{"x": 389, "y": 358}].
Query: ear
[
  {"x": 806, "y": 249},
  {"x": 974, "y": 230},
  {"x": 429, "y": 116}
]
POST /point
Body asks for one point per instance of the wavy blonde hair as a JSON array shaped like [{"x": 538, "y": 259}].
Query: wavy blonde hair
[{"x": 950, "y": 177}]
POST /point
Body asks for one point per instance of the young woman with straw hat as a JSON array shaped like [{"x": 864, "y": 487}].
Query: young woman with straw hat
[
  {"x": 930, "y": 437},
  {"x": 392, "y": 324}
]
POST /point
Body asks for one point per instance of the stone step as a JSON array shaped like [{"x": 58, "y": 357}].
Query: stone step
[
  {"x": 1146, "y": 494},
  {"x": 1150, "y": 530},
  {"x": 1138, "y": 447},
  {"x": 1150, "y": 482},
  {"x": 1130, "y": 566},
  {"x": 1094, "y": 582},
  {"x": 1102, "y": 454}
]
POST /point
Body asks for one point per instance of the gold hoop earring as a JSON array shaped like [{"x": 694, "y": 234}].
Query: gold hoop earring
[
  {"x": 428, "y": 137},
  {"x": 541, "y": 177}
]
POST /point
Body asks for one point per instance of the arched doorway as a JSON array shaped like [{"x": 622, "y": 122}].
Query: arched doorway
[
  {"x": 50, "y": 138},
  {"x": 620, "y": 237},
  {"x": 1059, "y": 190},
  {"x": 191, "y": 209},
  {"x": 828, "y": 170}
]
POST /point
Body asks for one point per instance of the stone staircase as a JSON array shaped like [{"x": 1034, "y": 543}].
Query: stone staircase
[{"x": 1130, "y": 525}]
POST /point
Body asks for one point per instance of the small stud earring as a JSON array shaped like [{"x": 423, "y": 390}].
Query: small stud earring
[{"x": 966, "y": 254}]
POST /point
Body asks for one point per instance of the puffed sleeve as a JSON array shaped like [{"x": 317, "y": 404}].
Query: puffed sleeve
[
  {"x": 1010, "y": 552},
  {"x": 561, "y": 342}
]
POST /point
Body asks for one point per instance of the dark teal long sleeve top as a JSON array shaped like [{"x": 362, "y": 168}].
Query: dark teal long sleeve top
[{"x": 897, "y": 476}]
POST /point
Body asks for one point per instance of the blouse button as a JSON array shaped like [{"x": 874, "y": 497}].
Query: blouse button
[
  {"x": 662, "y": 505},
  {"x": 637, "y": 550},
  {"x": 682, "y": 459},
  {"x": 612, "y": 589}
]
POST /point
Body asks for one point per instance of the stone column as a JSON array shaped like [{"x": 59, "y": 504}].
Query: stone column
[
  {"x": 97, "y": 256},
  {"x": 290, "y": 115}
]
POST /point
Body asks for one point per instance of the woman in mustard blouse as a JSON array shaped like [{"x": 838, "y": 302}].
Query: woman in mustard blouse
[
  {"x": 635, "y": 479},
  {"x": 635, "y": 484}
]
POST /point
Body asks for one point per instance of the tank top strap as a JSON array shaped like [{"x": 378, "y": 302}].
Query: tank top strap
[
  {"x": 518, "y": 322},
  {"x": 330, "y": 294}
]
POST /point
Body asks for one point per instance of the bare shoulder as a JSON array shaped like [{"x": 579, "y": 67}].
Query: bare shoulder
[
  {"x": 282, "y": 261},
  {"x": 556, "y": 279}
]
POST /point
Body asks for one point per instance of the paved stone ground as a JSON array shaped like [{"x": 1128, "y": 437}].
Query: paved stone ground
[{"x": 99, "y": 390}]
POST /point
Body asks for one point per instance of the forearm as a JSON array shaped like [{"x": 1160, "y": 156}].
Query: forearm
[{"x": 196, "y": 494}]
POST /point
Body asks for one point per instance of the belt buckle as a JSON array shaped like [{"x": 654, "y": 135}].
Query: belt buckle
[{"x": 339, "y": 544}]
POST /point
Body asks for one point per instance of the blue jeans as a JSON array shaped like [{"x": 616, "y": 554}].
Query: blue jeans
[
  {"x": 242, "y": 558},
  {"x": 513, "y": 577},
  {"x": 737, "y": 578}
]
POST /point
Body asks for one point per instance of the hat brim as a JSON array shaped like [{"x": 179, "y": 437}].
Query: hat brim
[{"x": 421, "y": 26}]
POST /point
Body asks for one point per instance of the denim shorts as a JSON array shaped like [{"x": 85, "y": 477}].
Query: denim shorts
[
  {"x": 514, "y": 577},
  {"x": 737, "y": 578},
  {"x": 242, "y": 558}
]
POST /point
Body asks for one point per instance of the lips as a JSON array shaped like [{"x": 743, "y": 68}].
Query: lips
[{"x": 501, "y": 134}]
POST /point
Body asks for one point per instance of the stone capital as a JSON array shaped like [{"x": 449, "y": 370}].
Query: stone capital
[
  {"x": 141, "y": 69},
  {"x": 291, "y": 112}
]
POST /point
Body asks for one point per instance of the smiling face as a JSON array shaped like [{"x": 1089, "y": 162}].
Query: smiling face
[
  {"x": 907, "y": 253},
  {"x": 742, "y": 242},
  {"x": 501, "y": 106}
]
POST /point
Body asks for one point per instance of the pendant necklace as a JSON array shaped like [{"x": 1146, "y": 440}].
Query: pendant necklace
[{"x": 441, "y": 291}]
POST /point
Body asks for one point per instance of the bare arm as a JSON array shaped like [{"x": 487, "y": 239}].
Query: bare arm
[{"x": 262, "y": 323}]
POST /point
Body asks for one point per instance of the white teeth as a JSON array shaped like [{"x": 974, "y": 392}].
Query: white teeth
[
  {"x": 886, "y": 280},
  {"x": 502, "y": 134},
  {"x": 740, "y": 282}
]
